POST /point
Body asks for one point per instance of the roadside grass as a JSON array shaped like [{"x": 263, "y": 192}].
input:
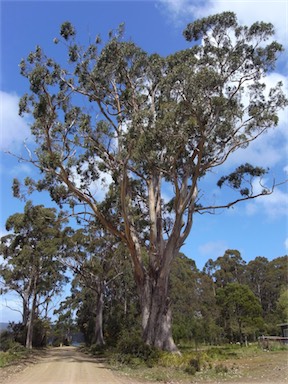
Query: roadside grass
[
  {"x": 206, "y": 363},
  {"x": 15, "y": 353}
]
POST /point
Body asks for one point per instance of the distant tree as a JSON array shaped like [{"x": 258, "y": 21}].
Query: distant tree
[
  {"x": 193, "y": 302},
  {"x": 256, "y": 277},
  {"x": 98, "y": 261},
  {"x": 208, "y": 308},
  {"x": 276, "y": 281},
  {"x": 282, "y": 305},
  {"x": 267, "y": 279},
  {"x": 183, "y": 294},
  {"x": 65, "y": 323},
  {"x": 152, "y": 122},
  {"x": 226, "y": 269},
  {"x": 31, "y": 264},
  {"x": 241, "y": 313}
]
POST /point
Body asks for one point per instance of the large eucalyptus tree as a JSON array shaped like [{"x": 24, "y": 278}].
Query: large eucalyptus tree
[{"x": 150, "y": 123}]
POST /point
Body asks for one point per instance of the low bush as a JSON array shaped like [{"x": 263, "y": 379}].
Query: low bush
[
  {"x": 220, "y": 368},
  {"x": 195, "y": 363},
  {"x": 131, "y": 347},
  {"x": 14, "y": 353},
  {"x": 190, "y": 370},
  {"x": 96, "y": 349},
  {"x": 6, "y": 340}
]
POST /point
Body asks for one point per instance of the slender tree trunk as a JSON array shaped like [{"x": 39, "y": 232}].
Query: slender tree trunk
[
  {"x": 25, "y": 313},
  {"x": 98, "y": 337},
  {"x": 30, "y": 324}
]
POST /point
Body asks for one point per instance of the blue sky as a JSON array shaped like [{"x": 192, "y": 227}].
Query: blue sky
[{"x": 255, "y": 228}]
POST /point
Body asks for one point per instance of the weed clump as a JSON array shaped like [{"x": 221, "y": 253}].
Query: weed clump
[{"x": 220, "y": 368}]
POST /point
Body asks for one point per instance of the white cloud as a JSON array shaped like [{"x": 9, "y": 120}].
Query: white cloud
[
  {"x": 258, "y": 10},
  {"x": 286, "y": 243},
  {"x": 13, "y": 128},
  {"x": 213, "y": 248},
  {"x": 247, "y": 12},
  {"x": 97, "y": 188},
  {"x": 273, "y": 206}
]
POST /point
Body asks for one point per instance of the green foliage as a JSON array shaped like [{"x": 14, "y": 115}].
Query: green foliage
[
  {"x": 41, "y": 329},
  {"x": 239, "y": 176},
  {"x": 67, "y": 30},
  {"x": 131, "y": 347},
  {"x": 6, "y": 340},
  {"x": 240, "y": 310},
  {"x": 96, "y": 349},
  {"x": 195, "y": 364},
  {"x": 282, "y": 305},
  {"x": 32, "y": 266},
  {"x": 18, "y": 332},
  {"x": 171, "y": 128},
  {"x": 10, "y": 350},
  {"x": 17, "y": 352},
  {"x": 191, "y": 370},
  {"x": 267, "y": 279}
]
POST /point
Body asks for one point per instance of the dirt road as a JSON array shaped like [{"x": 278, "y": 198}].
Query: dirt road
[{"x": 65, "y": 365}]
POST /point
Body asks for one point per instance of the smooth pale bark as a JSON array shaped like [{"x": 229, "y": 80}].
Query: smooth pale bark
[
  {"x": 156, "y": 315},
  {"x": 98, "y": 337},
  {"x": 30, "y": 324}
]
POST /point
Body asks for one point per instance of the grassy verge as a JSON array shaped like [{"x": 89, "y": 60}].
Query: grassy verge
[
  {"x": 16, "y": 353},
  {"x": 207, "y": 363}
]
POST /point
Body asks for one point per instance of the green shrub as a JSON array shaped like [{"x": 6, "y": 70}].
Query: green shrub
[
  {"x": 195, "y": 363},
  {"x": 56, "y": 342},
  {"x": 17, "y": 347},
  {"x": 96, "y": 349},
  {"x": 9, "y": 340},
  {"x": 131, "y": 347},
  {"x": 18, "y": 332},
  {"x": 6, "y": 340},
  {"x": 190, "y": 370}
]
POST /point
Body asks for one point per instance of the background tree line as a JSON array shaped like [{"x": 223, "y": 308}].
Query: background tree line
[{"x": 229, "y": 300}]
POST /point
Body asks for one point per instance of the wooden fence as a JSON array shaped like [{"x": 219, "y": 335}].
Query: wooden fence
[{"x": 267, "y": 342}]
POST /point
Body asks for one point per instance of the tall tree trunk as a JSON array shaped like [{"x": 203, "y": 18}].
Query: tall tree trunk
[
  {"x": 30, "y": 324},
  {"x": 25, "y": 313},
  {"x": 98, "y": 337},
  {"x": 156, "y": 313}
]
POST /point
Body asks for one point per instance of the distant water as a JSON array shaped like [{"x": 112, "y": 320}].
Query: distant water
[{"x": 3, "y": 326}]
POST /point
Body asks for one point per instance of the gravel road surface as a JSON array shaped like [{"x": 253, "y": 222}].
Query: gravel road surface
[{"x": 65, "y": 365}]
